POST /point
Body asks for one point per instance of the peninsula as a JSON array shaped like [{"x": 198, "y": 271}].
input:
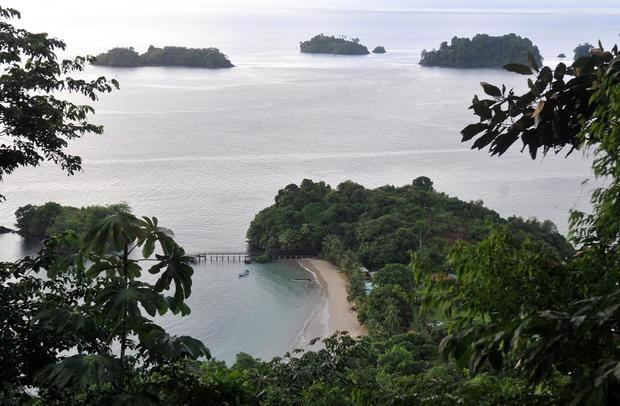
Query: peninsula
[
  {"x": 482, "y": 51},
  {"x": 210, "y": 58},
  {"x": 329, "y": 44}
]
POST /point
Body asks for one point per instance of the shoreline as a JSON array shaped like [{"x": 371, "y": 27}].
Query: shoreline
[{"x": 334, "y": 312}]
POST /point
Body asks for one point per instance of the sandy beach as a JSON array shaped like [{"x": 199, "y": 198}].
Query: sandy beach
[{"x": 335, "y": 313}]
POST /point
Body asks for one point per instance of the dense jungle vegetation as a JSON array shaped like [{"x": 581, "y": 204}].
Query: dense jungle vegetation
[
  {"x": 381, "y": 226},
  {"x": 482, "y": 51},
  {"x": 509, "y": 318},
  {"x": 167, "y": 56}
]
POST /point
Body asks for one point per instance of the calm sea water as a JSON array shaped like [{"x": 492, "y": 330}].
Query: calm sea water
[{"x": 205, "y": 150}]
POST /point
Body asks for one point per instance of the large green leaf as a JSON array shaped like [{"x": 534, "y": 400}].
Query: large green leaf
[
  {"x": 117, "y": 300},
  {"x": 113, "y": 233},
  {"x": 80, "y": 371},
  {"x": 177, "y": 270},
  {"x": 173, "y": 348}
]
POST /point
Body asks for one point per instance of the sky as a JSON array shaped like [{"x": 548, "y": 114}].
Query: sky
[{"x": 78, "y": 7}]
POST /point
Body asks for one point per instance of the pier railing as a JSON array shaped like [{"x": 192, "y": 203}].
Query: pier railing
[{"x": 234, "y": 256}]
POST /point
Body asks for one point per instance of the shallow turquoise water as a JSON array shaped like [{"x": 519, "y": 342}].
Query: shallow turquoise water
[{"x": 261, "y": 314}]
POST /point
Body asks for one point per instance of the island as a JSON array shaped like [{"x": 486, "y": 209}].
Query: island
[
  {"x": 482, "y": 51},
  {"x": 562, "y": 56},
  {"x": 380, "y": 226},
  {"x": 210, "y": 58},
  {"x": 51, "y": 219},
  {"x": 329, "y": 44},
  {"x": 582, "y": 50},
  {"x": 378, "y": 50}
]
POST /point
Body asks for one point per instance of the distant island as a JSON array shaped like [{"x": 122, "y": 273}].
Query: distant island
[
  {"x": 324, "y": 44},
  {"x": 562, "y": 56},
  {"x": 582, "y": 50},
  {"x": 210, "y": 58},
  {"x": 378, "y": 50},
  {"x": 482, "y": 51}
]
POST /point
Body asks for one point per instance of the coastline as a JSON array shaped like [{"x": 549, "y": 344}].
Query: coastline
[{"x": 334, "y": 312}]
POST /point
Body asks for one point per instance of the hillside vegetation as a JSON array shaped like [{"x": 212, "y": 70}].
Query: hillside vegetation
[{"x": 382, "y": 225}]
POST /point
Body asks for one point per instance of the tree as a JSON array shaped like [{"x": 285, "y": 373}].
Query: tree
[
  {"x": 36, "y": 123},
  {"x": 395, "y": 274},
  {"x": 573, "y": 332},
  {"x": 355, "y": 284},
  {"x": 550, "y": 116},
  {"x": 423, "y": 183},
  {"x": 90, "y": 300}
]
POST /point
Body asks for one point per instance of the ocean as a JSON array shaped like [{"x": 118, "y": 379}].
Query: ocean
[{"x": 204, "y": 150}]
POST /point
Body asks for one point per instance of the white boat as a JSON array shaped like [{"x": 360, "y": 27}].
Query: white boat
[{"x": 244, "y": 273}]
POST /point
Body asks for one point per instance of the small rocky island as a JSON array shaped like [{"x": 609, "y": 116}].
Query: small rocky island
[
  {"x": 329, "y": 44},
  {"x": 482, "y": 51},
  {"x": 561, "y": 56},
  {"x": 210, "y": 58},
  {"x": 378, "y": 50}
]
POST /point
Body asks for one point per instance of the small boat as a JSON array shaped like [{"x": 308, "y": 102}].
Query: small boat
[{"x": 244, "y": 273}]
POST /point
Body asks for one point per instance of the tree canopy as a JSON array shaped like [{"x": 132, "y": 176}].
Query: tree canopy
[
  {"x": 482, "y": 51},
  {"x": 380, "y": 226},
  {"x": 565, "y": 323}
]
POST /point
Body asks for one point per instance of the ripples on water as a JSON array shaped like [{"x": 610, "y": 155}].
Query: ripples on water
[{"x": 205, "y": 150}]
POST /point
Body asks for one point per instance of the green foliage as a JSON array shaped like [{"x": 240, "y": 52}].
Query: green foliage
[
  {"x": 399, "y": 370},
  {"x": 549, "y": 115},
  {"x": 566, "y": 321},
  {"x": 325, "y": 44},
  {"x": 375, "y": 227},
  {"x": 36, "y": 123},
  {"x": 482, "y": 51},
  {"x": 390, "y": 308},
  {"x": 69, "y": 325},
  {"x": 167, "y": 56},
  {"x": 52, "y": 219}
]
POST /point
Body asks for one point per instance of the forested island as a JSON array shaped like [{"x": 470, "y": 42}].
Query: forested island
[
  {"x": 210, "y": 58},
  {"x": 52, "y": 219},
  {"x": 380, "y": 226},
  {"x": 329, "y": 44},
  {"x": 482, "y": 51}
]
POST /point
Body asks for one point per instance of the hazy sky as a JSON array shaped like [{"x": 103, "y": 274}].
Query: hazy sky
[{"x": 121, "y": 6}]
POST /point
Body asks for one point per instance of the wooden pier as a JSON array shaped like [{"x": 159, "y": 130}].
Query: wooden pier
[
  {"x": 239, "y": 256},
  {"x": 224, "y": 256}
]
